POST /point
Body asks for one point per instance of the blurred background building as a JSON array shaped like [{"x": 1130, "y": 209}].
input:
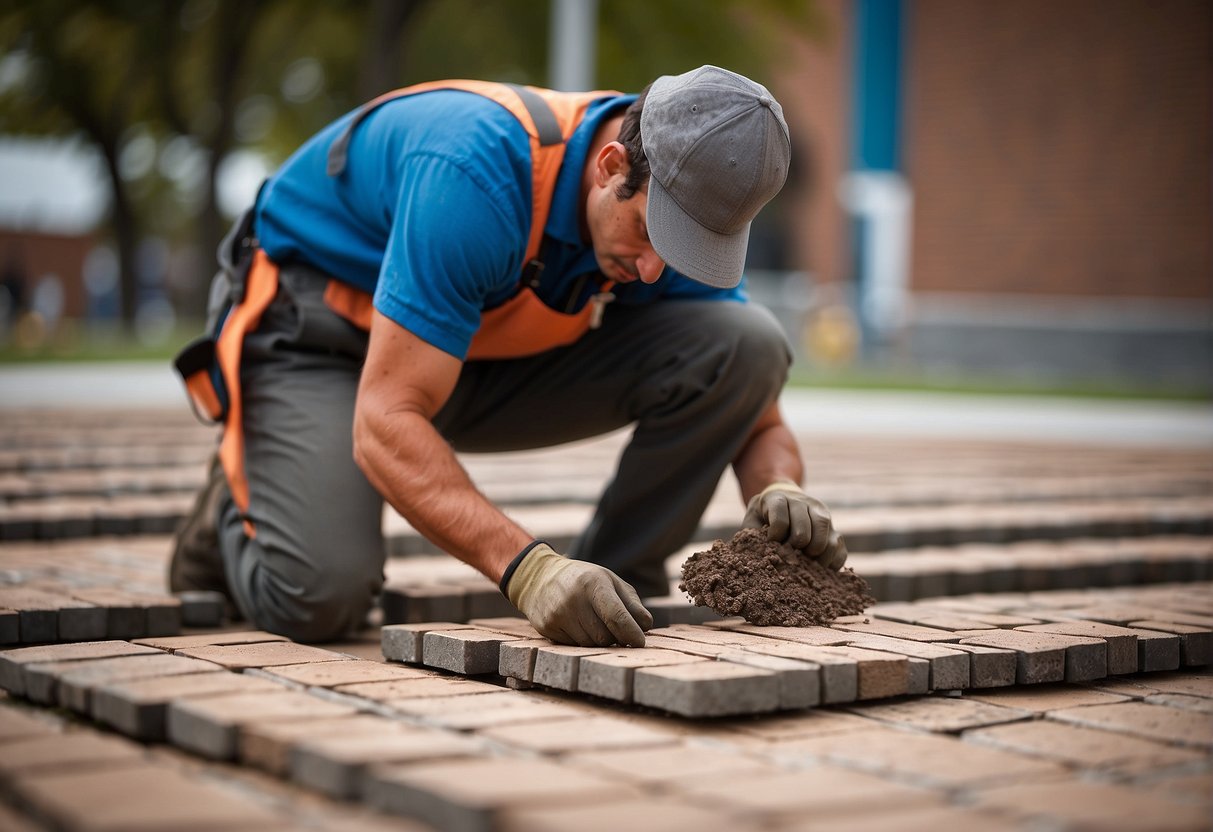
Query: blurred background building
[
  {"x": 1018, "y": 188},
  {"x": 1016, "y": 191}
]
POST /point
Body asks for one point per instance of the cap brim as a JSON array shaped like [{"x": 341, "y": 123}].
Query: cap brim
[{"x": 686, "y": 246}]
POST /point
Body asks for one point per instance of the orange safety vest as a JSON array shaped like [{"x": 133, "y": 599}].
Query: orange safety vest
[{"x": 523, "y": 325}]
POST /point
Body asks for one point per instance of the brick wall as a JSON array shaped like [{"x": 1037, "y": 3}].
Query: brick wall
[
  {"x": 814, "y": 88},
  {"x": 36, "y": 255},
  {"x": 1061, "y": 148}
]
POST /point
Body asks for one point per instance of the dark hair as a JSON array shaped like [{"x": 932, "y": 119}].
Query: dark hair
[{"x": 630, "y": 138}]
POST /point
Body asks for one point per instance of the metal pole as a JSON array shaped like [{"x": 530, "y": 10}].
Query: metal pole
[{"x": 571, "y": 49}]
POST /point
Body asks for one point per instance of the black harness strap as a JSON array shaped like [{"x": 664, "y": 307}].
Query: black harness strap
[{"x": 546, "y": 127}]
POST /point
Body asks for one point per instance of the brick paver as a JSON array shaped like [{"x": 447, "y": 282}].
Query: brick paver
[
  {"x": 331, "y": 674},
  {"x": 267, "y": 745},
  {"x": 822, "y": 791},
  {"x": 18, "y": 724},
  {"x": 1093, "y": 806},
  {"x": 989, "y": 667},
  {"x": 653, "y": 814},
  {"x": 471, "y": 795},
  {"x": 1042, "y": 657},
  {"x": 781, "y": 728},
  {"x": 558, "y": 666},
  {"x": 1195, "y": 642},
  {"x": 210, "y": 727},
  {"x": 466, "y": 651},
  {"x": 928, "y": 759},
  {"x": 47, "y": 616},
  {"x": 139, "y": 707},
  {"x": 484, "y": 710},
  {"x": 799, "y": 683},
  {"x": 1182, "y": 701},
  {"x": 65, "y": 752},
  {"x": 1156, "y": 722},
  {"x": 911, "y": 819},
  {"x": 262, "y": 654},
  {"x": 405, "y": 642},
  {"x": 516, "y": 659},
  {"x": 1084, "y": 747},
  {"x": 209, "y": 640},
  {"x": 10, "y": 627},
  {"x": 1121, "y": 641},
  {"x": 940, "y": 714},
  {"x": 1105, "y": 589},
  {"x": 11, "y": 821},
  {"x": 1043, "y": 698},
  {"x": 421, "y": 688},
  {"x": 75, "y": 681},
  {"x": 1192, "y": 685},
  {"x": 146, "y": 796},
  {"x": 609, "y": 675},
  {"x": 13, "y": 662},
  {"x": 707, "y": 689},
  {"x": 586, "y": 734},
  {"x": 838, "y": 671},
  {"x": 335, "y": 764},
  {"x": 665, "y": 765}
]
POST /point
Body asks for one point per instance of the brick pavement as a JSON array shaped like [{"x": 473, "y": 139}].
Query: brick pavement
[{"x": 1039, "y": 659}]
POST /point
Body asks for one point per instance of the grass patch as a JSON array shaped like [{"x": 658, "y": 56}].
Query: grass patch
[
  {"x": 77, "y": 343},
  {"x": 912, "y": 380},
  {"x": 74, "y": 342}
]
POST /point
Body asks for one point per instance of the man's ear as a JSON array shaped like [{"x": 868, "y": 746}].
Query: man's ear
[{"x": 612, "y": 159}]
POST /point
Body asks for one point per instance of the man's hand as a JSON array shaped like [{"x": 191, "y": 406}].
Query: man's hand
[
  {"x": 575, "y": 602},
  {"x": 801, "y": 521}
]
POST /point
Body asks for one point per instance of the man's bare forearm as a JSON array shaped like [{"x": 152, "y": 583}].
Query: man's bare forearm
[
  {"x": 409, "y": 463},
  {"x": 405, "y": 381},
  {"x": 769, "y": 455}
]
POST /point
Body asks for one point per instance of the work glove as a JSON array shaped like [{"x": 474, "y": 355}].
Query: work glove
[
  {"x": 800, "y": 521},
  {"x": 574, "y": 602}
]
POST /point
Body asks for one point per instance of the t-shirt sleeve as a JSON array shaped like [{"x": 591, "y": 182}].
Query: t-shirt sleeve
[{"x": 453, "y": 243}]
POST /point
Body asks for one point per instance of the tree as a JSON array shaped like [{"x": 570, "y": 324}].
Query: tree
[
  {"x": 63, "y": 45},
  {"x": 216, "y": 76}
]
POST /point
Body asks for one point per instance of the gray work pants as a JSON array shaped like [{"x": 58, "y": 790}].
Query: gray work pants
[{"x": 693, "y": 376}]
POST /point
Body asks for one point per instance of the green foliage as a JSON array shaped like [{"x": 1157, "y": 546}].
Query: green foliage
[
  {"x": 637, "y": 39},
  {"x": 167, "y": 89},
  {"x": 159, "y": 66}
]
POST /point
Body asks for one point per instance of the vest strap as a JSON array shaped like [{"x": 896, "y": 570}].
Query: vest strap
[{"x": 546, "y": 126}]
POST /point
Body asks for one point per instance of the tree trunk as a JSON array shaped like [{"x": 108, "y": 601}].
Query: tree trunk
[
  {"x": 126, "y": 236},
  {"x": 380, "y": 66},
  {"x": 237, "y": 21}
]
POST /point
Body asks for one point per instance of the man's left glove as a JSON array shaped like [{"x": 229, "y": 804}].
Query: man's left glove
[{"x": 801, "y": 521}]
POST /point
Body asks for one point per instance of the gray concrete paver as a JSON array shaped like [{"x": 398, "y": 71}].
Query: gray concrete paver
[{"x": 1059, "y": 735}]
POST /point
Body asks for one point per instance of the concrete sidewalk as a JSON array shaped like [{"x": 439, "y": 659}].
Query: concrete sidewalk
[{"x": 809, "y": 411}]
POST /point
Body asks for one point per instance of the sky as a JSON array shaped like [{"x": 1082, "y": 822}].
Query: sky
[
  {"x": 51, "y": 186},
  {"x": 60, "y": 186}
]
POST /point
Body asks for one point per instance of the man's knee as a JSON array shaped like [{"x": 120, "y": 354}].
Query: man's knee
[
  {"x": 753, "y": 354},
  {"x": 761, "y": 347},
  {"x": 715, "y": 355},
  {"x": 317, "y": 604}
]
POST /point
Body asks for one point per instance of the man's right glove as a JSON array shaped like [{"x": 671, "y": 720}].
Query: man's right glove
[
  {"x": 795, "y": 518},
  {"x": 574, "y": 602}
]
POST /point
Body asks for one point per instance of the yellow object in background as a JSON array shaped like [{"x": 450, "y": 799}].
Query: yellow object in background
[{"x": 831, "y": 335}]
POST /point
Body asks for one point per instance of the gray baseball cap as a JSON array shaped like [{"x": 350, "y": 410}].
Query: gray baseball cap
[{"x": 718, "y": 150}]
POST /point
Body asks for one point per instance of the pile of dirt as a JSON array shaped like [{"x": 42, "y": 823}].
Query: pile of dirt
[{"x": 770, "y": 583}]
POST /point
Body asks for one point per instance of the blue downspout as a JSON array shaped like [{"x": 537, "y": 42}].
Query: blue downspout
[{"x": 876, "y": 106}]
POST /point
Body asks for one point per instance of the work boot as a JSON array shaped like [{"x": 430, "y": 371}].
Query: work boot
[{"x": 197, "y": 563}]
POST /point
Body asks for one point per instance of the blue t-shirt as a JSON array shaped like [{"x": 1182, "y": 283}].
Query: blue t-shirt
[{"x": 433, "y": 212}]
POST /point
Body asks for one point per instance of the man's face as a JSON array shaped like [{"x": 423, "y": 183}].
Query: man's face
[{"x": 618, "y": 228}]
